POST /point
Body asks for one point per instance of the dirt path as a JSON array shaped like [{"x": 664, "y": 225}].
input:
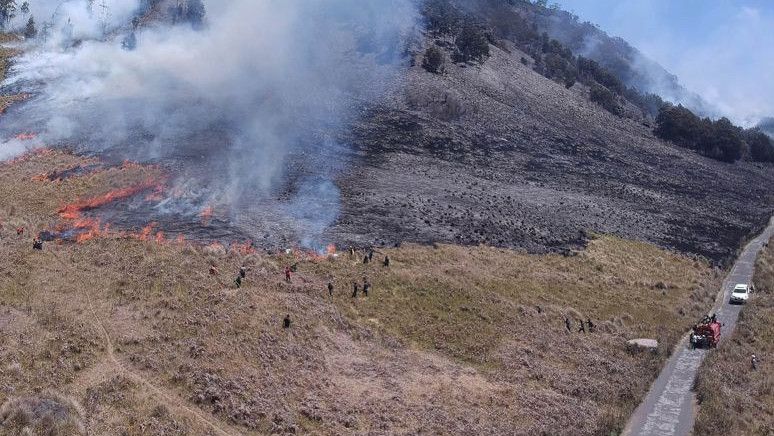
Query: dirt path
[
  {"x": 668, "y": 409},
  {"x": 170, "y": 399}
]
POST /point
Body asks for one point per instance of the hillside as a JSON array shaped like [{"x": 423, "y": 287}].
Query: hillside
[
  {"x": 124, "y": 333},
  {"x": 518, "y": 198},
  {"x": 498, "y": 154}
]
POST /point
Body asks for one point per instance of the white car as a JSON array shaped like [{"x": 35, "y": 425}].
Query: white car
[{"x": 740, "y": 294}]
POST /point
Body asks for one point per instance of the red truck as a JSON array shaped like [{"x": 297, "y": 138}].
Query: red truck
[{"x": 706, "y": 334}]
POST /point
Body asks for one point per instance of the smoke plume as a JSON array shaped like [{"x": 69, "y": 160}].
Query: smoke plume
[{"x": 246, "y": 109}]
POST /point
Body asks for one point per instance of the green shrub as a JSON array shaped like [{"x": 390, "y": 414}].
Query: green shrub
[
  {"x": 472, "y": 44},
  {"x": 719, "y": 139},
  {"x": 434, "y": 60},
  {"x": 761, "y": 147},
  {"x": 603, "y": 97}
]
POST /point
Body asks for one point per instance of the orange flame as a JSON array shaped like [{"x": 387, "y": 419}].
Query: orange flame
[
  {"x": 26, "y": 136},
  {"x": 206, "y": 215},
  {"x": 243, "y": 248},
  {"x": 73, "y": 211}
]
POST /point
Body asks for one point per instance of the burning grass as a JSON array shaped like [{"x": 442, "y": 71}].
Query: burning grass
[
  {"x": 450, "y": 339},
  {"x": 734, "y": 398}
]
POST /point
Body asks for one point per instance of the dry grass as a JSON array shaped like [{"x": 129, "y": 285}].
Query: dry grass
[
  {"x": 451, "y": 340},
  {"x": 48, "y": 414},
  {"x": 735, "y": 399}
]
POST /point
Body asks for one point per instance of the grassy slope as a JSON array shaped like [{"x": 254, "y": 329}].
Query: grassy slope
[
  {"x": 453, "y": 339},
  {"x": 450, "y": 340},
  {"x": 734, "y": 399}
]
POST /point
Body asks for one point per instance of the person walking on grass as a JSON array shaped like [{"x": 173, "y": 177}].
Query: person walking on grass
[
  {"x": 568, "y": 324},
  {"x": 287, "y": 274},
  {"x": 366, "y": 286},
  {"x": 355, "y": 289},
  {"x": 330, "y": 289},
  {"x": 754, "y": 362},
  {"x": 286, "y": 322}
]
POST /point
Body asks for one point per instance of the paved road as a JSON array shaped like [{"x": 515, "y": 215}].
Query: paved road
[{"x": 668, "y": 409}]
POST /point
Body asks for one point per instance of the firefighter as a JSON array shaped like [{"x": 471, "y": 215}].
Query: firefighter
[
  {"x": 366, "y": 286},
  {"x": 37, "y": 244},
  {"x": 386, "y": 261},
  {"x": 287, "y": 274},
  {"x": 365, "y": 259},
  {"x": 582, "y": 328},
  {"x": 370, "y": 254},
  {"x": 330, "y": 289},
  {"x": 351, "y": 251},
  {"x": 243, "y": 272},
  {"x": 286, "y": 322},
  {"x": 591, "y": 325},
  {"x": 355, "y": 288},
  {"x": 568, "y": 324},
  {"x": 238, "y": 281},
  {"x": 754, "y": 362}
]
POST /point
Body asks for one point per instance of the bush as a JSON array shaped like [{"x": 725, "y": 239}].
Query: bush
[
  {"x": 30, "y": 31},
  {"x": 603, "y": 97},
  {"x": 472, "y": 44},
  {"x": 434, "y": 60}
]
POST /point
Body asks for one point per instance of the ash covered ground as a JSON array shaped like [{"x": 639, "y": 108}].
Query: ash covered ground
[{"x": 496, "y": 154}]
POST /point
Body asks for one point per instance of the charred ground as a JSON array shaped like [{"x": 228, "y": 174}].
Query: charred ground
[{"x": 498, "y": 154}]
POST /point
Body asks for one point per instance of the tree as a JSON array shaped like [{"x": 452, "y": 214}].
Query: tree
[
  {"x": 7, "y": 12},
  {"x": 441, "y": 17},
  {"x": 603, "y": 97},
  {"x": 434, "y": 60},
  {"x": 761, "y": 147},
  {"x": 30, "y": 31},
  {"x": 472, "y": 44},
  {"x": 195, "y": 13},
  {"x": 719, "y": 139},
  {"x": 129, "y": 42}
]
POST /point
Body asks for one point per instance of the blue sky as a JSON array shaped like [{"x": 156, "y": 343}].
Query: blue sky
[{"x": 721, "y": 49}]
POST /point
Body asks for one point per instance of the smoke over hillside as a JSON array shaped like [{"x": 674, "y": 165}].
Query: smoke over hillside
[
  {"x": 618, "y": 56},
  {"x": 229, "y": 105}
]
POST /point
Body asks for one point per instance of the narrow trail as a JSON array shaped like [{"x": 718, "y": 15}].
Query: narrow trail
[
  {"x": 668, "y": 408},
  {"x": 171, "y": 399}
]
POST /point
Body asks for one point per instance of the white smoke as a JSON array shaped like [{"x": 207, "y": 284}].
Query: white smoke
[{"x": 262, "y": 80}]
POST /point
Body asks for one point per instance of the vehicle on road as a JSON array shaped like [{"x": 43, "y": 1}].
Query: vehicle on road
[
  {"x": 706, "y": 334},
  {"x": 740, "y": 294}
]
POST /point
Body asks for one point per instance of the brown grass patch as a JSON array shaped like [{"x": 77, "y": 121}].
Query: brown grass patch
[
  {"x": 450, "y": 340},
  {"x": 48, "y": 414}
]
